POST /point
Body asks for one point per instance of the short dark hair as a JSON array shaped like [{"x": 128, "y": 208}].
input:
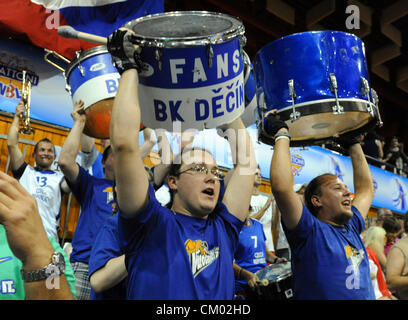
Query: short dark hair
[
  {"x": 314, "y": 189},
  {"x": 46, "y": 140},
  {"x": 106, "y": 153},
  {"x": 391, "y": 225}
]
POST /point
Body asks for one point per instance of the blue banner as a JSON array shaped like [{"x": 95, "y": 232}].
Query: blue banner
[
  {"x": 391, "y": 190},
  {"x": 50, "y": 102}
]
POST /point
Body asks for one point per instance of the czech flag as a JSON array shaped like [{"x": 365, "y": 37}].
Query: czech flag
[{"x": 37, "y": 21}]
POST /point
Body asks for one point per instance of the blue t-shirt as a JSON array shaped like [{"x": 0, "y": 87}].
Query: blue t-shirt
[
  {"x": 97, "y": 168},
  {"x": 251, "y": 251},
  {"x": 329, "y": 263},
  {"x": 95, "y": 196},
  {"x": 172, "y": 256},
  {"x": 106, "y": 247}
]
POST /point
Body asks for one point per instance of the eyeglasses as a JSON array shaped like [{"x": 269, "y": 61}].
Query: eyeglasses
[{"x": 202, "y": 169}]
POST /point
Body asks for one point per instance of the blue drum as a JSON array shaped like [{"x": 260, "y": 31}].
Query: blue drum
[
  {"x": 318, "y": 81},
  {"x": 92, "y": 78},
  {"x": 193, "y": 69}
]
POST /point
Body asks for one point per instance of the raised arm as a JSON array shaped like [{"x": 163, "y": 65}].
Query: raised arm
[
  {"x": 238, "y": 192},
  {"x": 281, "y": 175},
  {"x": 69, "y": 151},
  {"x": 16, "y": 156},
  {"x": 161, "y": 170},
  {"x": 363, "y": 183},
  {"x": 275, "y": 225},
  {"x": 88, "y": 150},
  {"x": 148, "y": 144},
  {"x": 131, "y": 179}
]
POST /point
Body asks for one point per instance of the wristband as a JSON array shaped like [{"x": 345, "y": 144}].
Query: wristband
[{"x": 282, "y": 135}]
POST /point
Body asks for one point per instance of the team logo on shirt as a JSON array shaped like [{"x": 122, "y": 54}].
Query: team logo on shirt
[
  {"x": 110, "y": 198},
  {"x": 109, "y": 194},
  {"x": 200, "y": 256},
  {"x": 355, "y": 256}
]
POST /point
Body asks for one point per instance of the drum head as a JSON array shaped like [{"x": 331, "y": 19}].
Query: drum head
[
  {"x": 98, "y": 119},
  {"x": 275, "y": 272},
  {"x": 317, "y": 125},
  {"x": 185, "y": 29}
]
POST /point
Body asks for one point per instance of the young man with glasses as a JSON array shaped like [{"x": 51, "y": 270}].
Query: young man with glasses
[{"x": 185, "y": 252}]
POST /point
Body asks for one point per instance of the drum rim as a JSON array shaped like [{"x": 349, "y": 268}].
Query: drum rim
[
  {"x": 324, "y": 101},
  {"x": 353, "y": 105},
  {"x": 179, "y": 42},
  {"x": 278, "y": 277},
  {"x": 297, "y": 34},
  {"x": 85, "y": 54},
  {"x": 372, "y": 123}
]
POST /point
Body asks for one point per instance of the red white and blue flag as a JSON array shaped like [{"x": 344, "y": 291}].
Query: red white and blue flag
[{"x": 38, "y": 20}]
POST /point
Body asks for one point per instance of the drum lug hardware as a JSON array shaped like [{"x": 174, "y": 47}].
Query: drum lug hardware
[
  {"x": 365, "y": 88},
  {"x": 210, "y": 55},
  {"x": 374, "y": 96},
  {"x": 337, "y": 109},
  {"x": 365, "y": 91},
  {"x": 242, "y": 43},
  {"x": 68, "y": 88},
  {"x": 81, "y": 68},
  {"x": 292, "y": 94},
  {"x": 375, "y": 101},
  {"x": 370, "y": 109},
  {"x": 158, "y": 57},
  {"x": 294, "y": 116},
  {"x": 261, "y": 101}
]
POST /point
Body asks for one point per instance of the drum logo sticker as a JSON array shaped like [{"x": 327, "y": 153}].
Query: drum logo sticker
[
  {"x": 199, "y": 255},
  {"x": 147, "y": 70},
  {"x": 297, "y": 164},
  {"x": 97, "y": 66}
]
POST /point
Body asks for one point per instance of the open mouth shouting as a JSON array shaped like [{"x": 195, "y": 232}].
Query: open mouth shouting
[{"x": 209, "y": 192}]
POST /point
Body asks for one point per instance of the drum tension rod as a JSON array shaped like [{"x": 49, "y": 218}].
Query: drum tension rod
[
  {"x": 210, "y": 55},
  {"x": 292, "y": 94},
  {"x": 337, "y": 109},
  {"x": 365, "y": 91},
  {"x": 375, "y": 101},
  {"x": 81, "y": 68},
  {"x": 158, "y": 57}
]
